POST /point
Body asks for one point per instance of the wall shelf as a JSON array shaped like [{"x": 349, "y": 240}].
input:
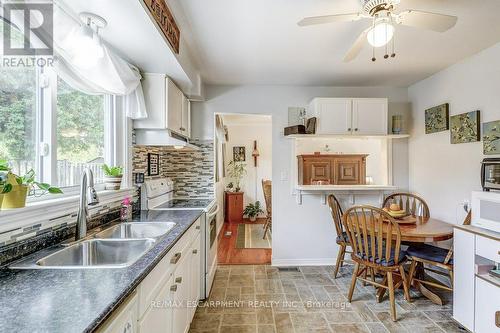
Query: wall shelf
[
  {"x": 352, "y": 190},
  {"x": 346, "y": 136}
]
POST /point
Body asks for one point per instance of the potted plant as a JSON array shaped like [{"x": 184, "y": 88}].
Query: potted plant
[
  {"x": 112, "y": 177},
  {"x": 252, "y": 210},
  {"x": 22, "y": 186},
  {"x": 236, "y": 171},
  {"x": 5, "y": 187}
]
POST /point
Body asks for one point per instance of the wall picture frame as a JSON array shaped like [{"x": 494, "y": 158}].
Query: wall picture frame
[
  {"x": 239, "y": 154},
  {"x": 437, "y": 119},
  {"x": 153, "y": 164},
  {"x": 465, "y": 127},
  {"x": 491, "y": 138}
]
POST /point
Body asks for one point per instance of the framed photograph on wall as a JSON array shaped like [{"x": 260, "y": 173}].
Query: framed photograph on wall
[
  {"x": 153, "y": 164},
  {"x": 465, "y": 127},
  {"x": 437, "y": 119},
  {"x": 239, "y": 154}
]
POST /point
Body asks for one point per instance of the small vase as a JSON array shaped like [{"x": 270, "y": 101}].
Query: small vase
[
  {"x": 112, "y": 182},
  {"x": 16, "y": 198},
  {"x": 252, "y": 218}
]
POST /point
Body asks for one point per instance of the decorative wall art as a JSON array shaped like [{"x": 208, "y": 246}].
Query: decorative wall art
[
  {"x": 153, "y": 164},
  {"x": 239, "y": 154},
  {"x": 437, "y": 119},
  {"x": 465, "y": 127},
  {"x": 491, "y": 138}
]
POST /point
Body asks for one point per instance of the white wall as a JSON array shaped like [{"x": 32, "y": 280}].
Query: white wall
[
  {"x": 445, "y": 174},
  {"x": 244, "y": 134},
  {"x": 302, "y": 234}
]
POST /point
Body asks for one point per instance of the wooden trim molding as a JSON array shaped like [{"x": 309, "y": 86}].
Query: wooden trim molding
[{"x": 165, "y": 20}]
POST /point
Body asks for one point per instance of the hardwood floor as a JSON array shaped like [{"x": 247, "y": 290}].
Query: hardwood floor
[{"x": 229, "y": 254}]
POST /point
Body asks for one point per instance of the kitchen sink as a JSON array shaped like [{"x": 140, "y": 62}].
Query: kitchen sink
[
  {"x": 136, "y": 230},
  {"x": 93, "y": 253}
]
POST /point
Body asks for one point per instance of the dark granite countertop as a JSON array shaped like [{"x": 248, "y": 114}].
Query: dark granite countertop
[{"x": 79, "y": 300}]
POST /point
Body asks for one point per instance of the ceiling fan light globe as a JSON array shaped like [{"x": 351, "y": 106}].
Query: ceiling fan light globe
[{"x": 381, "y": 34}]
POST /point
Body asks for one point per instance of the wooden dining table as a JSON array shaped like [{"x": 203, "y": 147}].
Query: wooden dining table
[{"x": 423, "y": 230}]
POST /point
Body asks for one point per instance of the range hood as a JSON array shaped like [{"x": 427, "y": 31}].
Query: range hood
[{"x": 153, "y": 137}]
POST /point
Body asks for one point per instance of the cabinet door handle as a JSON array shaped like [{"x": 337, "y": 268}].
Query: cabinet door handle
[
  {"x": 182, "y": 128},
  {"x": 349, "y": 129},
  {"x": 198, "y": 228},
  {"x": 195, "y": 251},
  {"x": 355, "y": 130},
  {"x": 173, "y": 288},
  {"x": 178, "y": 280},
  {"x": 175, "y": 258}
]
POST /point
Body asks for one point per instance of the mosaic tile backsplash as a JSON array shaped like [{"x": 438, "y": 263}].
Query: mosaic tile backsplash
[{"x": 191, "y": 171}]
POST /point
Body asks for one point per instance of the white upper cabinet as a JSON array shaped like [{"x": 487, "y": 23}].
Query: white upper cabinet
[
  {"x": 369, "y": 116},
  {"x": 334, "y": 115},
  {"x": 356, "y": 116},
  {"x": 166, "y": 105}
]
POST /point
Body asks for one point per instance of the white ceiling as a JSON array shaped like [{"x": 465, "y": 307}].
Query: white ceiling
[{"x": 259, "y": 42}]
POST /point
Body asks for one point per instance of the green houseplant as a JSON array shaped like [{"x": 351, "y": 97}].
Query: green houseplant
[
  {"x": 236, "y": 171},
  {"x": 252, "y": 210},
  {"x": 112, "y": 177},
  {"x": 5, "y": 187},
  {"x": 22, "y": 186}
]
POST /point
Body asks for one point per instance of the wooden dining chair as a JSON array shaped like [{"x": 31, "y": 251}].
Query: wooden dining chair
[
  {"x": 342, "y": 239},
  {"x": 375, "y": 238},
  {"x": 411, "y": 203},
  {"x": 425, "y": 257},
  {"x": 267, "y": 189}
]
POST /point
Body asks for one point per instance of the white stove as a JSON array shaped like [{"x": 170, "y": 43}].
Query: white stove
[{"x": 158, "y": 194}]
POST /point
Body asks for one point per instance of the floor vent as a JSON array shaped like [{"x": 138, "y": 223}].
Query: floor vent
[{"x": 288, "y": 269}]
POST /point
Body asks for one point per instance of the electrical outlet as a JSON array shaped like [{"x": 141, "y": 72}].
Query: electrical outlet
[{"x": 284, "y": 176}]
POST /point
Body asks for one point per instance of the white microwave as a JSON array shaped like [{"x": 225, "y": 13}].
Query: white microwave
[{"x": 486, "y": 210}]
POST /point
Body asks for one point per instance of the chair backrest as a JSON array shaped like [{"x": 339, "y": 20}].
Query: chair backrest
[
  {"x": 267, "y": 189},
  {"x": 375, "y": 236},
  {"x": 336, "y": 211},
  {"x": 411, "y": 203},
  {"x": 467, "y": 221}
]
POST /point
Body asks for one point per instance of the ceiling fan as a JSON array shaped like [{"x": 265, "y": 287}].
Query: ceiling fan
[{"x": 384, "y": 19}]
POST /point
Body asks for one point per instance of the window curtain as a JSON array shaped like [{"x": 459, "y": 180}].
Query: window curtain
[{"x": 110, "y": 74}]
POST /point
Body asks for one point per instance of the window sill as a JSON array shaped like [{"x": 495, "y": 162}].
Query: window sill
[{"x": 43, "y": 210}]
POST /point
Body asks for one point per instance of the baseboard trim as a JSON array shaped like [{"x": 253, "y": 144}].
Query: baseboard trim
[{"x": 303, "y": 262}]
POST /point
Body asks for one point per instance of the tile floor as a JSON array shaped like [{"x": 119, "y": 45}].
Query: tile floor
[{"x": 263, "y": 299}]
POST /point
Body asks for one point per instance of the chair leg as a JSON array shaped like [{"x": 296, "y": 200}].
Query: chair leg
[
  {"x": 266, "y": 228},
  {"x": 372, "y": 275},
  {"x": 411, "y": 274},
  {"x": 365, "y": 274},
  {"x": 451, "y": 278},
  {"x": 406, "y": 286},
  {"x": 390, "y": 284},
  {"x": 353, "y": 281},
  {"x": 340, "y": 259}
]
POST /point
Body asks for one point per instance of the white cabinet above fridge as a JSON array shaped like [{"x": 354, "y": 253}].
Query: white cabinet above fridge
[
  {"x": 350, "y": 116},
  {"x": 168, "y": 108}
]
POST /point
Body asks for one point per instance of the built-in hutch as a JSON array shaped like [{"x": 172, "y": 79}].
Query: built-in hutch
[{"x": 350, "y": 152}]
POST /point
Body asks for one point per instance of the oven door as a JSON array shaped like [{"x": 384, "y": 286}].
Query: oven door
[{"x": 211, "y": 248}]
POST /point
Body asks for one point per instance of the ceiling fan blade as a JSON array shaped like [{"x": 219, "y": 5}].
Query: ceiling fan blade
[
  {"x": 330, "y": 19},
  {"x": 426, "y": 20},
  {"x": 356, "y": 47}
]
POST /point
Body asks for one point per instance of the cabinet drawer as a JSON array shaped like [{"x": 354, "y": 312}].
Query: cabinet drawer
[
  {"x": 487, "y": 319},
  {"x": 488, "y": 248}
]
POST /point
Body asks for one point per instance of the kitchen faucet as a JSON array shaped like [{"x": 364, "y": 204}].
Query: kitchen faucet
[{"x": 88, "y": 197}]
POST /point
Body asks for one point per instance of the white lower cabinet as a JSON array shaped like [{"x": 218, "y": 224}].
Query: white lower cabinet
[
  {"x": 487, "y": 318},
  {"x": 463, "y": 278},
  {"x": 158, "y": 317},
  {"x": 163, "y": 301},
  {"x": 124, "y": 320}
]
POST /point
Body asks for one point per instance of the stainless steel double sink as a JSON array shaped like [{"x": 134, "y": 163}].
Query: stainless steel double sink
[{"x": 117, "y": 246}]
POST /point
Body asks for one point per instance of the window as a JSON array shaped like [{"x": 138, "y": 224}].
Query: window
[
  {"x": 80, "y": 134},
  {"x": 57, "y": 131}
]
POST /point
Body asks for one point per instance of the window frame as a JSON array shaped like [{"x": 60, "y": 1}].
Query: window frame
[{"x": 46, "y": 134}]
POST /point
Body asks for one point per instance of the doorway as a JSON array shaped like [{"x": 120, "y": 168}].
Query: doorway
[{"x": 243, "y": 167}]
